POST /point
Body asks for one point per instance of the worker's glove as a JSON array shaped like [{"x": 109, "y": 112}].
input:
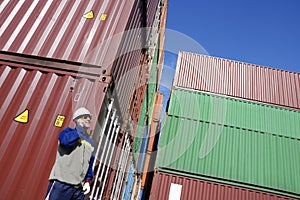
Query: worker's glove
[{"x": 86, "y": 188}]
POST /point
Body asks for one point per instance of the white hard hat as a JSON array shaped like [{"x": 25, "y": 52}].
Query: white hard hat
[{"x": 81, "y": 111}]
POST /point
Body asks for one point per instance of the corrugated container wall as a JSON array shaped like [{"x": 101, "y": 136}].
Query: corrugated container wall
[
  {"x": 231, "y": 123},
  {"x": 234, "y": 112},
  {"x": 168, "y": 186},
  {"x": 238, "y": 79},
  {"x": 45, "y": 99},
  {"x": 111, "y": 34},
  {"x": 60, "y": 55},
  {"x": 232, "y": 154},
  {"x": 82, "y": 31}
]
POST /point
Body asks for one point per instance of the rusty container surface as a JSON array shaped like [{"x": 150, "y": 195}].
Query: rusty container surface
[
  {"x": 238, "y": 79},
  {"x": 168, "y": 186},
  {"x": 36, "y": 103}
]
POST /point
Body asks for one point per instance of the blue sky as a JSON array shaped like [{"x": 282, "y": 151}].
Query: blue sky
[{"x": 263, "y": 32}]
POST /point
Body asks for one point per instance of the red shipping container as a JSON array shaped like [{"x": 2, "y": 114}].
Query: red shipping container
[
  {"x": 110, "y": 34},
  {"x": 238, "y": 79},
  {"x": 167, "y": 186},
  {"x": 79, "y": 31},
  {"x": 36, "y": 103}
]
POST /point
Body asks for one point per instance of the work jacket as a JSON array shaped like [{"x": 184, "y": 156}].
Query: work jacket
[{"x": 74, "y": 158}]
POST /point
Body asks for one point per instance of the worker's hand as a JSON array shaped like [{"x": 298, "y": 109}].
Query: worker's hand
[{"x": 86, "y": 188}]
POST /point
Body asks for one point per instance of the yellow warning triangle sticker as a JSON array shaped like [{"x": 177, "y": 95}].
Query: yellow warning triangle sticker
[
  {"x": 89, "y": 15},
  {"x": 23, "y": 117}
]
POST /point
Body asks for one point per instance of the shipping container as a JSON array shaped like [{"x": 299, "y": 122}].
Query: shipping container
[
  {"x": 128, "y": 182},
  {"x": 127, "y": 75},
  {"x": 142, "y": 134},
  {"x": 232, "y": 154},
  {"x": 111, "y": 34},
  {"x": 168, "y": 186},
  {"x": 36, "y": 104},
  {"x": 239, "y": 113},
  {"x": 57, "y": 56},
  {"x": 78, "y": 31},
  {"x": 150, "y": 153},
  {"x": 238, "y": 79}
]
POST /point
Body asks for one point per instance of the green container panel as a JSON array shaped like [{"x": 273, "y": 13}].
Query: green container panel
[
  {"x": 235, "y": 112},
  {"x": 231, "y": 154}
]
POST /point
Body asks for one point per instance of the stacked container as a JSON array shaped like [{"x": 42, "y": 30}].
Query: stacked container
[
  {"x": 148, "y": 118},
  {"x": 232, "y": 132},
  {"x": 56, "y": 56}
]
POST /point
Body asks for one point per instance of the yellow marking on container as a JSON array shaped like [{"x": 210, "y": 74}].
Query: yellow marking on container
[
  {"x": 89, "y": 15},
  {"x": 23, "y": 117},
  {"x": 103, "y": 17},
  {"x": 59, "y": 120}
]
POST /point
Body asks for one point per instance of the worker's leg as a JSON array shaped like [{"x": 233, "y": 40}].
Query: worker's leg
[
  {"x": 58, "y": 191},
  {"x": 78, "y": 195}
]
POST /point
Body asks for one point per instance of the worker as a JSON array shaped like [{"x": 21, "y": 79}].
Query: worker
[{"x": 72, "y": 171}]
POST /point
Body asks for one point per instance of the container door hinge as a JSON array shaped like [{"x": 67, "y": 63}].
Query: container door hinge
[{"x": 105, "y": 77}]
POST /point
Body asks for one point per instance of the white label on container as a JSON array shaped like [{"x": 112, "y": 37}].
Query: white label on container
[{"x": 175, "y": 191}]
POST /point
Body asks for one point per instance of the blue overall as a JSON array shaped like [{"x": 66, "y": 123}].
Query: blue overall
[{"x": 63, "y": 191}]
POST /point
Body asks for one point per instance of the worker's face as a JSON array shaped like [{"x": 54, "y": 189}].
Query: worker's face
[{"x": 85, "y": 121}]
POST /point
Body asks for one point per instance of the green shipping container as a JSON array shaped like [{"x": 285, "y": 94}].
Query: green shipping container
[
  {"x": 230, "y": 154},
  {"x": 235, "y": 112}
]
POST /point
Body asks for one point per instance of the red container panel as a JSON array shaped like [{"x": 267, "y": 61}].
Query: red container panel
[
  {"x": 60, "y": 29},
  {"x": 112, "y": 38},
  {"x": 168, "y": 186},
  {"x": 238, "y": 79},
  {"x": 29, "y": 143}
]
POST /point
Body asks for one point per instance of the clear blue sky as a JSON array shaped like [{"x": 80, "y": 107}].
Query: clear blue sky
[{"x": 263, "y": 32}]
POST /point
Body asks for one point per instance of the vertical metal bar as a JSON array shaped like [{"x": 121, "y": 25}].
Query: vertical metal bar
[
  {"x": 137, "y": 185},
  {"x": 110, "y": 159},
  {"x": 109, "y": 133},
  {"x": 103, "y": 129},
  {"x": 134, "y": 188},
  {"x": 100, "y": 161},
  {"x": 109, "y": 139},
  {"x": 118, "y": 166},
  {"x": 124, "y": 169}
]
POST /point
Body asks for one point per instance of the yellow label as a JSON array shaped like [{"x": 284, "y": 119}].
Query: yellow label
[
  {"x": 89, "y": 15},
  {"x": 103, "y": 17},
  {"x": 59, "y": 121},
  {"x": 23, "y": 117},
  {"x": 87, "y": 144}
]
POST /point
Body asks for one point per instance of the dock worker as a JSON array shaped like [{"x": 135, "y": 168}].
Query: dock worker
[{"x": 72, "y": 171}]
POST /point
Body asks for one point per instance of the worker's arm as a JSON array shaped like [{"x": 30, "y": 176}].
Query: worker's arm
[
  {"x": 68, "y": 137},
  {"x": 89, "y": 177},
  {"x": 90, "y": 173}
]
